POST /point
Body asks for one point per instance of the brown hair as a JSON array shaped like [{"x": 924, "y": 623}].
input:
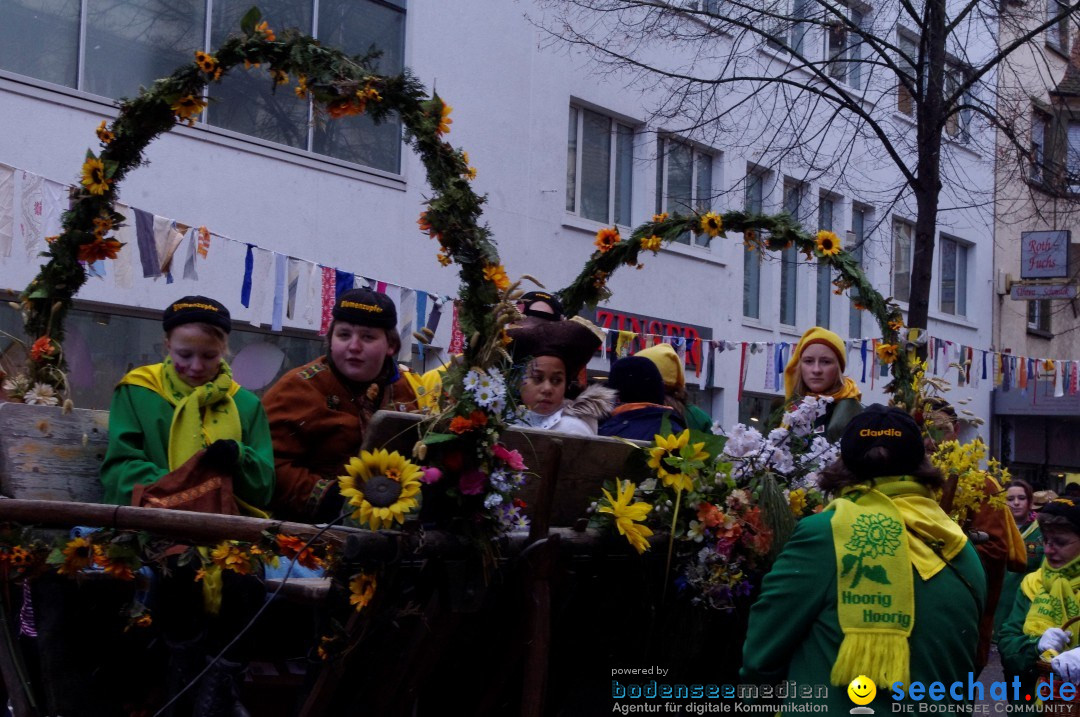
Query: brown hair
[
  {"x": 1018, "y": 483},
  {"x": 214, "y": 332},
  {"x": 838, "y": 476}
]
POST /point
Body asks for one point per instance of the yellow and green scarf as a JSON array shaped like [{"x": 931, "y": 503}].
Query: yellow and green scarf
[
  {"x": 1053, "y": 595},
  {"x": 872, "y": 531},
  {"x": 201, "y": 414}
]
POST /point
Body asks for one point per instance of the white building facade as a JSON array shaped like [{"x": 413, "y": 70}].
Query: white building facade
[{"x": 560, "y": 151}]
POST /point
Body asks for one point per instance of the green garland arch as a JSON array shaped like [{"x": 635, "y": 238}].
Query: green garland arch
[
  {"x": 760, "y": 233},
  {"x": 338, "y": 85}
]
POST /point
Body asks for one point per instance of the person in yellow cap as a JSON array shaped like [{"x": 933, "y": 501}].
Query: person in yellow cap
[
  {"x": 817, "y": 368},
  {"x": 675, "y": 395}
]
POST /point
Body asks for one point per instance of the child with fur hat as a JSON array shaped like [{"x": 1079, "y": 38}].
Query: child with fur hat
[
  {"x": 882, "y": 583},
  {"x": 554, "y": 353},
  {"x": 1047, "y": 599},
  {"x": 816, "y": 368},
  {"x": 320, "y": 411}
]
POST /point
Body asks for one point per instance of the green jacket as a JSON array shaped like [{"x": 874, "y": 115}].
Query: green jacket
[
  {"x": 1011, "y": 584},
  {"x": 138, "y": 452},
  {"x": 794, "y": 632},
  {"x": 838, "y": 415},
  {"x": 1019, "y": 651}
]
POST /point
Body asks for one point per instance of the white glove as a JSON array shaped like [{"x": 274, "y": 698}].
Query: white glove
[
  {"x": 1067, "y": 664},
  {"x": 1054, "y": 639}
]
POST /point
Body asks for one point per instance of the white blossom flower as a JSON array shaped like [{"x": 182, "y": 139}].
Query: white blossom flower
[
  {"x": 738, "y": 499},
  {"x": 41, "y": 394},
  {"x": 492, "y": 500},
  {"x": 742, "y": 441},
  {"x": 696, "y": 531},
  {"x": 778, "y": 435},
  {"x": 472, "y": 379}
]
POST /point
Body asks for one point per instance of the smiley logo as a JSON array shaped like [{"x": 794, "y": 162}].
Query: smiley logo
[{"x": 862, "y": 690}]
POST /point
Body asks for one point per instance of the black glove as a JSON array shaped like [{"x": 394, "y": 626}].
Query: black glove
[{"x": 223, "y": 455}]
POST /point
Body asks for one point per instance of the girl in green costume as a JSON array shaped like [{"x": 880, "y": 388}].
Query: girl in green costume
[
  {"x": 1046, "y": 600},
  {"x": 1019, "y": 497},
  {"x": 881, "y": 584}
]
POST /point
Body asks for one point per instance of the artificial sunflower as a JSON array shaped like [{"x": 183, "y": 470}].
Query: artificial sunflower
[
  {"x": 301, "y": 88},
  {"x": 104, "y": 135},
  {"x": 19, "y": 557},
  {"x": 896, "y": 324},
  {"x": 93, "y": 176},
  {"x": 78, "y": 554},
  {"x": 264, "y": 29},
  {"x": 382, "y": 486},
  {"x": 115, "y": 568},
  {"x": 444, "y": 257},
  {"x": 444, "y": 120},
  {"x": 206, "y": 62},
  {"x": 600, "y": 278},
  {"x": 651, "y": 243},
  {"x": 280, "y": 77},
  {"x": 828, "y": 243},
  {"x": 628, "y": 515},
  {"x": 296, "y": 548},
  {"x": 470, "y": 173},
  {"x": 187, "y": 108},
  {"x": 606, "y": 239},
  {"x": 496, "y": 274},
  {"x": 675, "y": 447},
  {"x": 362, "y": 589},
  {"x": 102, "y": 226},
  {"x": 712, "y": 224},
  {"x": 887, "y": 353},
  {"x": 661, "y": 217},
  {"x": 98, "y": 249}
]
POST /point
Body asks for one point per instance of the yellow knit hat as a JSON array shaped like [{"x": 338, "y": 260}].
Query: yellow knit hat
[
  {"x": 669, "y": 363},
  {"x": 815, "y": 335}
]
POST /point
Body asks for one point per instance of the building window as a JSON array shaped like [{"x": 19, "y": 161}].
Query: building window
[
  {"x": 120, "y": 45},
  {"x": 1072, "y": 158},
  {"x": 909, "y": 56},
  {"x": 754, "y": 409},
  {"x": 954, "y": 272},
  {"x": 599, "y": 160},
  {"x": 860, "y": 216},
  {"x": 1038, "y": 317},
  {"x": 683, "y": 182},
  {"x": 826, "y": 210},
  {"x": 903, "y": 246},
  {"x": 1057, "y": 35},
  {"x": 789, "y": 258},
  {"x": 958, "y": 124},
  {"x": 787, "y": 23},
  {"x": 755, "y": 204},
  {"x": 1040, "y": 132},
  {"x": 843, "y": 47}
]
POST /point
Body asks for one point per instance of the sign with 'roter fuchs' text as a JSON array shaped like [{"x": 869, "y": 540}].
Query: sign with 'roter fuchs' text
[{"x": 1044, "y": 255}]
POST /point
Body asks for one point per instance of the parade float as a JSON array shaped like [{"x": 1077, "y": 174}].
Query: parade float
[{"x": 492, "y": 568}]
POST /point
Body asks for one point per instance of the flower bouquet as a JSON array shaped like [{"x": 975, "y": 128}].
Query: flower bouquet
[{"x": 727, "y": 501}]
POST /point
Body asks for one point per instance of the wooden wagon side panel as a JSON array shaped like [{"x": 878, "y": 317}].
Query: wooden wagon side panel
[{"x": 46, "y": 454}]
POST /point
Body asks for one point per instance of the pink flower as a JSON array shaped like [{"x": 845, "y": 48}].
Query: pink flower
[
  {"x": 431, "y": 475},
  {"x": 473, "y": 482},
  {"x": 510, "y": 458}
]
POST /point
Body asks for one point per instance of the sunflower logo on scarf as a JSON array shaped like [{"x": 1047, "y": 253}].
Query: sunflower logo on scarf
[{"x": 873, "y": 535}]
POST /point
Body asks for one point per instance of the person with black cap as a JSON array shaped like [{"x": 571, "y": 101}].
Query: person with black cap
[
  {"x": 553, "y": 354},
  {"x": 881, "y": 585},
  {"x": 184, "y": 435},
  {"x": 1047, "y": 599},
  {"x": 539, "y": 306},
  {"x": 187, "y": 413},
  {"x": 640, "y": 412},
  {"x": 320, "y": 411}
]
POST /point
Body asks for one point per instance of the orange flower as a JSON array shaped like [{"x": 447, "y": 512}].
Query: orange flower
[
  {"x": 423, "y": 223},
  {"x": 444, "y": 257},
  {"x": 51, "y": 239},
  {"x": 143, "y": 620},
  {"x": 228, "y": 556},
  {"x": 896, "y": 324},
  {"x": 479, "y": 419},
  {"x": 115, "y": 568},
  {"x": 599, "y": 279},
  {"x": 206, "y": 62},
  {"x": 294, "y": 547},
  {"x": 281, "y": 77},
  {"x": 344, "y": 108},
  {"x": 651, "y": 243},
  {"x": 749, "y": 238},
  {"x": 460, "y": 425},
  {"x": 102, "y": 226},
  {"x": 19, "y": 557},
  {"x": 606, "y": 239},
  {"x": 301, "y": 88},
  {"x": 78, "y": 554},
  {"x": 188, "y": 107},
  {"x": 42, "y": 348},
  {"x": 709, "y": 514},
  {"x": 98, "y": 249},
  {"x": 263, "y": 28},
  {"x": 887, "y": 353},
  {"x": 661, "y": 217},
  {"x": 712, "y": 224},
  {"x": 93, "y": 176}
]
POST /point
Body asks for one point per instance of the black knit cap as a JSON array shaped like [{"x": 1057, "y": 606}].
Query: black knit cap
[
  {"x": 365, "y": 307},
  {"x": 196, "y": 309},
  {"x": 1066, "y": 508},
  {"x": 888, "y": 428},
  {"x": 533, "y": 297},
  {"x": 637, "y": 379}
]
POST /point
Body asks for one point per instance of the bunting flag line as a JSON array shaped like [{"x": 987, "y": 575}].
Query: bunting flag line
[{"x": 281, "y": 263}]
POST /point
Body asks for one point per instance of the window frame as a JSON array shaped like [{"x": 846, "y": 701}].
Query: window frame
[
  {"x": 857, "y": 245},
  {"x": 842, "y": 63},
  {"x": 823, "y": 276},
  {"x": 698, "y": 155},
  {"x": 893, "y": 273},
  {"x": 905, "y": 41},
  {"x": 755, "y": 177},
  {"x": 616, "y": 126},
  {"x": 1038, "y": 316},
  {"x": 789, "y": 257},
  {"x": 958, "y": 124},
  {"x": 961, "y": 277},
  {"x": 1057, "y": 35}
]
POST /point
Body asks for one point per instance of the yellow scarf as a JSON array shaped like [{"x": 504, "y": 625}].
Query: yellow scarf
[
  {"x": 201, "y": 415},
  {"x": 878, "y": 534},
  {"x": 1053, "y": 595}
]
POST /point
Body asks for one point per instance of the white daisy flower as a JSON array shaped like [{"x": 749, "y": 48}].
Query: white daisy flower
[
  {"x": 41, "y": 394},
  {"x": 472, "y": 379}
]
